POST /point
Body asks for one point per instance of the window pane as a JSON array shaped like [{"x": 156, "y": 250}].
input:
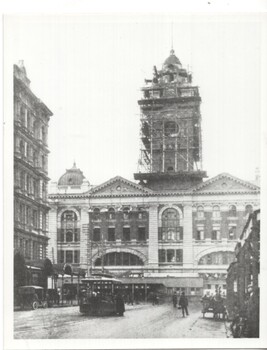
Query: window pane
[
  {"x": 141, "y": 234},
  {"x": 162, "y": 256},
  {"x": 170, "y": 255},
  {"x": 69, "y": 256},
  {"x": 126, "y": 234},
  {"x": 96, "y": 234},
  {"x": 76, "y": 256},
  {"x": 111, "y": 234},
  {"x": 118, "y": 257},
  {"x": 179, "y": 255},
  {"x": 125, "y": 259},
  {"x": 69, "y": 236}
]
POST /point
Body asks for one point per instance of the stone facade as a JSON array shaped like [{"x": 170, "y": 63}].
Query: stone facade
[
  {"x": 171, "y": 224},
  {"x": 31, "y": 118}
]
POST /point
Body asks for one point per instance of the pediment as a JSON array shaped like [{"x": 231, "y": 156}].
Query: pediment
[
  {"x": 118, "y": 186},
  {"x": 226, "y": 183}
]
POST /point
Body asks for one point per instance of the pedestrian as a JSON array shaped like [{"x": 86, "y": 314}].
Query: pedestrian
[
  {"x": 120, "y": 308},
  {"x": 183, "y": 302},
  {"x": 174, "y": 299}
]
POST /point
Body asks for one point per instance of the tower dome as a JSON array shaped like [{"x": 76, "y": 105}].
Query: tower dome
[
  {"x": 72, "y": 177},
  {"x": 172, "y": 60}
]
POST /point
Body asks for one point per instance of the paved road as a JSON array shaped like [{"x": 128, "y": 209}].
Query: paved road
[{"x": 141, "y": 321}]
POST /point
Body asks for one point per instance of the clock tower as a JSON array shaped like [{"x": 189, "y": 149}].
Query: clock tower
[{"x": 170, "y": 152}]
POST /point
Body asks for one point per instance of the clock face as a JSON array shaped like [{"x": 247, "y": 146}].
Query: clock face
[{"x": 171, "y": 129}]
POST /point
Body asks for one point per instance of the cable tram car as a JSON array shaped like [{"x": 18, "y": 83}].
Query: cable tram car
[{"x": 100, "y": 295}]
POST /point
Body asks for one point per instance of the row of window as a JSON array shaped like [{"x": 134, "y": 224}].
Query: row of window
[
  {"x": 170, "y": 256},
  {"x": 216, "y": 211},
  {"x": 119, "y": 259},
  {"x": 29, "y": 122},
  {"x": 111, "y": 214},
  {"x": 30, "y": 249},
  {"x": 69, "y": 235},
  {"x": 30, "y": 185},
  {"x": 216, "y": 234},
  {"x": 126, "y": 234},
  {"x": 218, "y": 258},
  {"x": 36, "y": 158},
  {"x": 68, "y": 256},
  {"x": 25, "y": 214}
]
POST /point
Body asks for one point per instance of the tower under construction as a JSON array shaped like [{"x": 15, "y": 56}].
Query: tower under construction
[{"x": 170, "y": 132}]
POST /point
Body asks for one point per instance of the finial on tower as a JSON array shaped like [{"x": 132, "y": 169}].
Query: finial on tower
[{"x": 74, "y": 165}]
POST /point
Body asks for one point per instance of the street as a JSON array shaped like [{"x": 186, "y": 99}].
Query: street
[{"x": 139, "y": 321}]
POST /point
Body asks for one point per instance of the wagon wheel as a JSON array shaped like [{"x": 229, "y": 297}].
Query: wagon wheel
[
  {"x": 34, "y": 305},
  {"x": 45, "y": 305}
]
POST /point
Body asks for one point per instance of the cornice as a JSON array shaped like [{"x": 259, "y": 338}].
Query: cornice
[{"x": 152, "y": 194}]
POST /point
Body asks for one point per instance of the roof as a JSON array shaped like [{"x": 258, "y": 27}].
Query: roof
[
  {"x": 72, "y": 177},
  {"x": 172, "y": 59}
]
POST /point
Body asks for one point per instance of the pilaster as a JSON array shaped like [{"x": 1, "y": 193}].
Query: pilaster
[
  {"x": 84, "y": 239},
  {"x": 188, "y": 236},
  {"x": 52, "y": 233},
  {"x": 153, "y": 237}
]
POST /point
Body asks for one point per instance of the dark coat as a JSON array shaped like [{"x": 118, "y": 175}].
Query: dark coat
[
  {"x": 120, "y": 308},
  {"x": 183, "y": 301}
]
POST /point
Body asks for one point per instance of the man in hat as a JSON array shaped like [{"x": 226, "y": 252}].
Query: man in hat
[{"x": 183, "y": 302}]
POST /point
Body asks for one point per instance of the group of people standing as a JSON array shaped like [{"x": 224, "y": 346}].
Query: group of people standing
[{"x": 182, "y": 304}]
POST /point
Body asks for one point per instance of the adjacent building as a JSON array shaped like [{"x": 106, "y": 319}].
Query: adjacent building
[
  {"x": 172, "y": 229},
  {"x": 31, "y": 119}
]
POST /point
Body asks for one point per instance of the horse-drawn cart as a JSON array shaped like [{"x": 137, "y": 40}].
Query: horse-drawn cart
[{"x": 216, "y": 307}]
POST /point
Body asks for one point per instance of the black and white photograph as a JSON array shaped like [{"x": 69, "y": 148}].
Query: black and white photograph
[{"x": 135, "y": 147}]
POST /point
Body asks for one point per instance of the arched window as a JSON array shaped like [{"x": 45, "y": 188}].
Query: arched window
[
  {"x": 111, "y": 213},
  {"x": 232, "y": 211},
  {"x": 217, "y": 258},
  {"x": 69, "y": 216},
  {"x": 96, "y": 214},
  {"x": 216, "y": 211},
  {"x": 200, "y": 212},
  {"x": 69, "y": 236},
  {"x": 171, "y": 231},
  {"x": 119, "y": 259},
  {"x": 249, "y": 209}
]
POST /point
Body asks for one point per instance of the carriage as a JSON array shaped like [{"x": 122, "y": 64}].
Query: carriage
[{"x": 214, "y": 306}]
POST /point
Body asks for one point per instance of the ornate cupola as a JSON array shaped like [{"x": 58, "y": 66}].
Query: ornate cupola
[{"x": 170, "y": 152}]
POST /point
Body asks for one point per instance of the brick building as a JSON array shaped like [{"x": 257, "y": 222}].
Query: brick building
[
  {"x": 172, "y": 229},
  {"x": 31, "y": 118}
]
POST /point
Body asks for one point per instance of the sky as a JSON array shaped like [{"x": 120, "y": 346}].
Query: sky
[{"x": 88, "y": 69}]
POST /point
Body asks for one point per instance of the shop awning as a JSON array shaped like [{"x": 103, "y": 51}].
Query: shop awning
[{"x": 170, "y": 282}]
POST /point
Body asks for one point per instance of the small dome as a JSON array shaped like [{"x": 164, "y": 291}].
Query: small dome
[
  {"x": 72, "y": 177},
  {"x": 172, "y": 59}
]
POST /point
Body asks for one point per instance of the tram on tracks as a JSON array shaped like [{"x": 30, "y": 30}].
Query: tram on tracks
[
  {"x": 100, "y": 295},
  {"x": 243, "y": 281}
]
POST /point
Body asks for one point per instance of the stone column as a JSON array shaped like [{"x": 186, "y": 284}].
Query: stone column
[
  {"x": 84, "y": 239},
  {"x": 153, "y": 254},
  {"x": 188, "y": 255},
  {"x": 52, "y": 234}
]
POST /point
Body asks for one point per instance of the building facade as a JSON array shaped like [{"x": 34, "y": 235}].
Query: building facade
[
  {"x": 172, "y": 228},
  {"x": 31, "y": 119}
]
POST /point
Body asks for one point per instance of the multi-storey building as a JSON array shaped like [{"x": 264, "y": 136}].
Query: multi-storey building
[
  {"x": 31, "y": 118},
  {"x": 172, "y": 229}
]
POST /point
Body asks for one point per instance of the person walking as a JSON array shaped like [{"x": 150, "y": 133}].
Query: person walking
[{"x": 183, "y": 302}]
